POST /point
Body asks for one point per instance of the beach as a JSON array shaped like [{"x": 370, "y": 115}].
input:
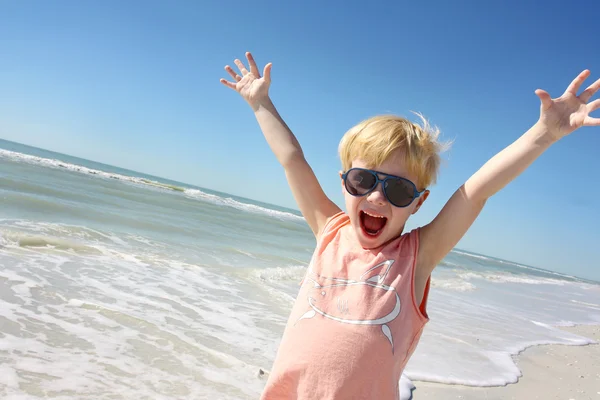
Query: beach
[
  {"x": 117, "y": 285},
  {"x": 549, "y": 372}
]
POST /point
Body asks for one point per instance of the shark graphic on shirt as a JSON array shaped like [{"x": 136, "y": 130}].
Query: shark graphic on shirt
[{"x": 322, "y": 288}]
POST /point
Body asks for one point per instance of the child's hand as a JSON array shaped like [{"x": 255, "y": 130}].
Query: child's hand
[
  {"x": 569, "y": 112},
  {"x": 250, "y": 85}
]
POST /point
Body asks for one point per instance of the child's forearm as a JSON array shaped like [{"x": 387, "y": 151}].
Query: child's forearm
[
  {"x": 508, "y": 164},
  {"x": 280, "y": 138}
]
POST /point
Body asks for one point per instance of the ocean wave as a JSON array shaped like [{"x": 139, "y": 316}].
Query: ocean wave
[
  {"x": 247, "y": 207},
  {"x": 590, "y": 305},
  {"x": 277, "y": 274},
  {"x": 510, "y": 278},
  {"x": 514, "y": 264},
  {"x": 108, "y": 313},
  {"x": 463, "y": 281},
  {"x": 17, "y": 239},
  {"x": 449, "y": 264},
  {"x": 72, "y": 232},
  {"x": 464, "y": 253},
  {"x": 58, "y": 164},
  {"x": 458, "y": 285},
  {"x": 190, "y": 193}
]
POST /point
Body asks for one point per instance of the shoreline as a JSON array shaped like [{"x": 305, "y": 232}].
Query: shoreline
[{"x": 548, "y": 371}]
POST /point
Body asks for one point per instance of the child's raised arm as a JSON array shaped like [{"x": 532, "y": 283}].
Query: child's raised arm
[
  {"x": 315, "y": 206},
  {"x": 558, "y": 118}
]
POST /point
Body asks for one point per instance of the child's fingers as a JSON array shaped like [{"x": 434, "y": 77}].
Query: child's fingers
[
  {"x": 544, "y": 98},
  {"x": 267, "y": 72},
  {"x": 590, "y": 91},
  {"x": 228, "y": 84},
  {"x": 252, "y": 64},
  {"x": 576, "y": 84},
  {"x": 241, "y": 67},
  {"x": 593, "y": 106},
  {"x": 233, "y": 74}
]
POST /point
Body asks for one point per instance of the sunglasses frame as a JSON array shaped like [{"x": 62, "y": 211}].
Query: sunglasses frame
[{"x": 416, "y": 193}]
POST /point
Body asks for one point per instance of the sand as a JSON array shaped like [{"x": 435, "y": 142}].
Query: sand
[{"x": 549, "y": 372}]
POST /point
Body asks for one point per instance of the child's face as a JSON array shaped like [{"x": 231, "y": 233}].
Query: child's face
[{"x": 376, "y": 204}]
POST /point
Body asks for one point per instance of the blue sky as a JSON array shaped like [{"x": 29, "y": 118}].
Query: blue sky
[{"x": 136, "y": 84}]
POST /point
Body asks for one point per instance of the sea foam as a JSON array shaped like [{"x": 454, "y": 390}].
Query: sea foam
[{"x": 229, "y": 202}]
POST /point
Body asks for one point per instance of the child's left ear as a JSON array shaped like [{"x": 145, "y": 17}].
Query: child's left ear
[{"x": 420, "y": 200}]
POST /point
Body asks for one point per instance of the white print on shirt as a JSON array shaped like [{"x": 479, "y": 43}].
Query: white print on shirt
[{"x": 321, "y": 285}]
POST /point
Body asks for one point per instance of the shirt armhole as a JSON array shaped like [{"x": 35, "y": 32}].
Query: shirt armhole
[
  {"x": 423, "y": 305},
  {"x": 420, "y": 308}
]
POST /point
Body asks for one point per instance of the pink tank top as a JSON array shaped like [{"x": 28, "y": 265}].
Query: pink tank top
[{"x": 355, "y": 322}]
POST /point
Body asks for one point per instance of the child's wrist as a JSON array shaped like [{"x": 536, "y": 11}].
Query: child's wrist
[
  {"x": 264, "y": 102},
  {"x": 545, "y": 134}
]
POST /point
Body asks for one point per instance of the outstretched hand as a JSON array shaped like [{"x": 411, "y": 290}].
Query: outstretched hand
[
  {"x": 250, "y": 85},
  {"x": 569, "y": 112}
]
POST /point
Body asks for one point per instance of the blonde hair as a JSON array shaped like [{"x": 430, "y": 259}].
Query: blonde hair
[{"x": 375, "y": 139}]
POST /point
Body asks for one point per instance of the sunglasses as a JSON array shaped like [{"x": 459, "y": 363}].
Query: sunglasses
[{"x": 400, "y": 192}]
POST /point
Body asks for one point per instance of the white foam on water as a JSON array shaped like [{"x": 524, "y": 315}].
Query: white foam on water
[
  {"x": 510, "y": 278},
  {"x": 464, "y": 253},
  {"x": 227, "y": 201},
  {"x": 459, "y": 285},
  {"x": 514, "y": 264},
  {"x": 446, "y": 263},
  {"x": 9, "y": 377},
  {"x": 245, "y": 253},
  {"x": 190, "y": 193},
  {"x": 56, "y": 164},
  {"x": 293, "y": 273},
  {"x": 282, "y": 283},
  {"x": 592, "y": 305},
  {"x": 125, "y": 324},
  {"x": 463, "y": 280}
]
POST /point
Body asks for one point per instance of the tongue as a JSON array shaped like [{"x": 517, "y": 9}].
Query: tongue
[{"x": 373, "y": 224}]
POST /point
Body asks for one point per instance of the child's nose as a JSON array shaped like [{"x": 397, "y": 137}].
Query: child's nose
[{"x": 377, "y": 197}]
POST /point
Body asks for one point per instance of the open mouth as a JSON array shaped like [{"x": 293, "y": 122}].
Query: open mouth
[{"x": 372, "y": 225}]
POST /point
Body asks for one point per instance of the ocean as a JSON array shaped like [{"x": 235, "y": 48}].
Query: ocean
[{"x": 119, "y": 285}]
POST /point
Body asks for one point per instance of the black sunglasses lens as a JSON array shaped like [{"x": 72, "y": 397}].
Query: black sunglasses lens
[
  {"x": 359, "y": 182},
  {"x": 399, "y": 192}
]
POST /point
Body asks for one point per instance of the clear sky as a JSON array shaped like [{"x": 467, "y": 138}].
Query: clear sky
[{"x": 136, "y": 84}]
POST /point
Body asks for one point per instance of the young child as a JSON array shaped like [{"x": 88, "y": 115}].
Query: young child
[{"x": 362, "y": 306}]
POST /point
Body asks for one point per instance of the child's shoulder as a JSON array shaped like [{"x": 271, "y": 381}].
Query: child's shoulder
[
  {"x": 336, "y": 221},
  {"x": 332, "y": 228}
]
